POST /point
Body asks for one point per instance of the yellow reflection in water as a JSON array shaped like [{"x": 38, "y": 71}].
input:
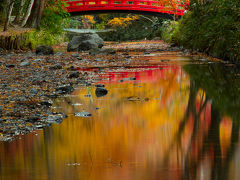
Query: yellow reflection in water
[
  {"x": 130, "y": 132},
  {"x": 134, "y": 132}
]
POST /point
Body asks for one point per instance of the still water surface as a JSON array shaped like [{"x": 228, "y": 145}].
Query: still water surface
[{"x": 164, "y": 120}]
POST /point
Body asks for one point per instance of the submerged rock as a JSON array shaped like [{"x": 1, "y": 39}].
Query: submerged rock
[{"x": 101, "y": 91}]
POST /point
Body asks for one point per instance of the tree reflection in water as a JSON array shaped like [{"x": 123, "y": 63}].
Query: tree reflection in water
[{"x": 166, "y": 125}]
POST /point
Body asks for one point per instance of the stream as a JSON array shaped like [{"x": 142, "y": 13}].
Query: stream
[{"x": 171, "y": 117}]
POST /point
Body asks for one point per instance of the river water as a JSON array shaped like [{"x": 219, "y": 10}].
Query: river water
[{"x": 170, "y": 118}]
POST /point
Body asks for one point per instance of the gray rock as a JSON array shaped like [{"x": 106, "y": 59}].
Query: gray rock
[
  {"x": 98, "y": 59},
  {"x": 44, "y": 50},
  {"x": 55, "y": 119},
  {"x": 59, "y": 54},
  {"x": 37, "y": 60},
  {"x": 25, "y": 63},
  {"x": 85, "y": 42},
  {"x": 82, "y": 114}
]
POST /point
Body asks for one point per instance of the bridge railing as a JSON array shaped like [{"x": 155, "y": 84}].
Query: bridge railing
[{"x": 138, "y": 5}]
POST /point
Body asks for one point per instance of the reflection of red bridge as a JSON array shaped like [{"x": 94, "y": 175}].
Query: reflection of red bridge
[
  {"x": 136, "y": 6},
  {"x": 139, "y": 73}
]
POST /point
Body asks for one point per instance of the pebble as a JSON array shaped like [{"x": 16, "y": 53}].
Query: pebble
[
  {"x": 82, "y": 114},
  {"x": 37, "y": 60},
  {"x": 25, "y": 63}
]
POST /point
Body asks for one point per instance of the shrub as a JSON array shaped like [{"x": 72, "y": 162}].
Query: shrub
[{"x": 213, "y": 27}]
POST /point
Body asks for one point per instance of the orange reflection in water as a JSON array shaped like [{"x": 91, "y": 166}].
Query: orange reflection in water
[{"x": 144, "y": 129}]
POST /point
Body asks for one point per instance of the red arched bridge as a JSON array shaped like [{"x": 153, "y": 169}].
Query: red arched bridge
[{"x": 161, "y": 7}]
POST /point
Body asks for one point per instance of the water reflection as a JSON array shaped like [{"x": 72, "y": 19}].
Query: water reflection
[{"x": 155, "y": 122}]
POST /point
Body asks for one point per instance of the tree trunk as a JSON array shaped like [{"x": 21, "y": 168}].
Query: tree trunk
[
  {"x": 40, "y": 13},
  {"x": 36, "y": 14},
  {"x": 31, "y": 22},
  {"x": 9, "y": 12},
  {"x": 19, "y": 12},
  {"x": 27, "y": 14}
]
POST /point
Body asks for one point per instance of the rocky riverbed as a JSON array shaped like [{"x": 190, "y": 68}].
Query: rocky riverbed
[{"x": 29, "y": 83}]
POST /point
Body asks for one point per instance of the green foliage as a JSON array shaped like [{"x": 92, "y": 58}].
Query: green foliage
[
  {"x": 52, "y": 23},
  {"x": 53, "y": 17},
  {"x": 38, "y": 37},
  {"x": 213, "y": 27},
  {"x": 2, "y": 10},
  {"x": 170, "y": 30}
]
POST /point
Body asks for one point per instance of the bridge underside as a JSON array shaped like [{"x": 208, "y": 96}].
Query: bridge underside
[
  {"x": 90, "y": 12},
  {"x": 150, "y": 7}
]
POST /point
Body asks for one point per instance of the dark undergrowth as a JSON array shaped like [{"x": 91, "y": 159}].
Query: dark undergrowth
[{"x": 213, "y": 27}]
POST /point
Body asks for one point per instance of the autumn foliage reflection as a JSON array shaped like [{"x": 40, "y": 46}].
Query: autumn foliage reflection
[{"x": 160, "y": 125}]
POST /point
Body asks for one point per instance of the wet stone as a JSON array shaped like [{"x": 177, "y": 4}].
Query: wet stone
[
  {"x": 101, "y": 91},
  {"x": 82, "y": 114},
  {"x": 55, "y": 119},
  {"x": 64, "y": 89},
  {"x": 74, "y": 75},
  {"x": 98, "y": 59},
  {"x": 59, "y": 54},
  {"x": 10, "y": 65},
  {"x": 25, "y": 63}
]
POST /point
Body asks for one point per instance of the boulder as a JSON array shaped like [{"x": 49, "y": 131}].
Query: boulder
[
  {"x": 44, "y": 50},
  {"x": 85, "y": 42}
]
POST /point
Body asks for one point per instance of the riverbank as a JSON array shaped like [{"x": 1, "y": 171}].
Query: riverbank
[
  {"x": 29, "y": 83},
  {"x": 16, "y": 38}
]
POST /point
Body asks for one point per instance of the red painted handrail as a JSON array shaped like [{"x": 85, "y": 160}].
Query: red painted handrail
[{"x": 132, "y": 5}]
